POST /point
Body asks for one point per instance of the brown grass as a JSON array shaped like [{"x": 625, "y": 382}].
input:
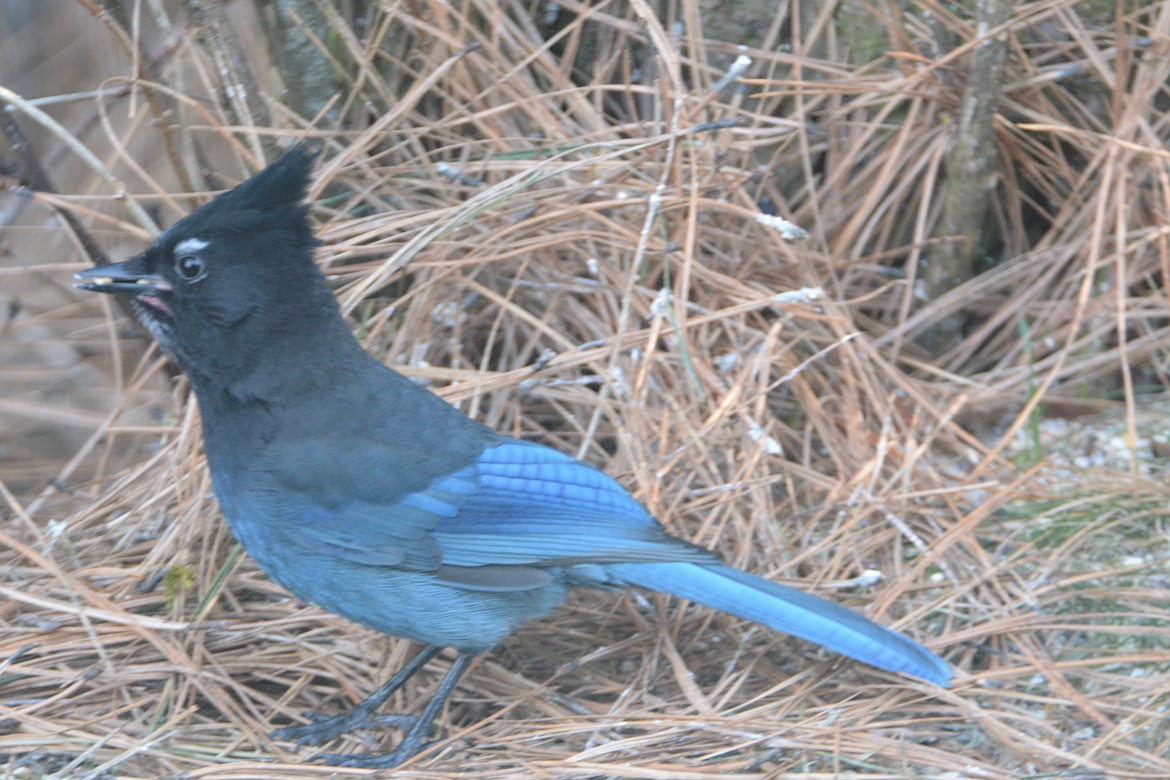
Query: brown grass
[{"x": 593, "y": 276}]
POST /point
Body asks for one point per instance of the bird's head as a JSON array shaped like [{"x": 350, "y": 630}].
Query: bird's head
[{"x": 232, "y": 279}]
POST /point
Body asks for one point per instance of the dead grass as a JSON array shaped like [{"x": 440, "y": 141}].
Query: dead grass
[{"x": 571, "y": 254}]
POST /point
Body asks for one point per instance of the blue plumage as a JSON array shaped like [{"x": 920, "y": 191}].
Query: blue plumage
[{"x": 362, "y": 492}]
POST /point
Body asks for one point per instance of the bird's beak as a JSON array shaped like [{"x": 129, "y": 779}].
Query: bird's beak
[{"x": 121, "y": 279}]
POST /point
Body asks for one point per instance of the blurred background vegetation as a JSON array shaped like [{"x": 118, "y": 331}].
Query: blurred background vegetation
[{"x": 865, "y": 294}]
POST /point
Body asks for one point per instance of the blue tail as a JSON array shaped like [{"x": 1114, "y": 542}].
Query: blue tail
[{"x": 790, "y": 611}]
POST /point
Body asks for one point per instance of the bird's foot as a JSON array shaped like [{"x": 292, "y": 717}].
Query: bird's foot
[
  {"x": 374, "y": 760},
  {"x": 325, "y": 728}
]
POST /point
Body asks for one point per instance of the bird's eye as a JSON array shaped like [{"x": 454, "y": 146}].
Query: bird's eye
[{"x": 190, "y": 267}]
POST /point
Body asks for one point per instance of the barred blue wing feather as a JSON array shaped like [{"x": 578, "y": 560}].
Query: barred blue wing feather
[{"x": 519, "y": 504}]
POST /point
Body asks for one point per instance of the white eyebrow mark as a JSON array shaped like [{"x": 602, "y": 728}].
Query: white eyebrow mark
[{"x": 190, "y": 245}]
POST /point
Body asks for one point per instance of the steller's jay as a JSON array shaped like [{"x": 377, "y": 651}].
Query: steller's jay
[{"x": 360, "y": 491}]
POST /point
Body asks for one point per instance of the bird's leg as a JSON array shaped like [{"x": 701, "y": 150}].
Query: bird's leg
[
  {"x": 323, "y": 729},
  {"x": 415, "y": 739}
]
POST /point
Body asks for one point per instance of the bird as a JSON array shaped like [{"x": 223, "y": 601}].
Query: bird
[{"x": 361, "y": 491}]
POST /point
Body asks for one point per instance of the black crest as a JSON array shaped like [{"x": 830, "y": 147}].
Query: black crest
[
  {"x": 280, "y": 185},
  {"x": 271, "y": 200}
]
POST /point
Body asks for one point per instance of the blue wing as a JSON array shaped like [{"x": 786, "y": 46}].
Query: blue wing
[
  {"x": 538, "y": 506},
  {"x": 519, "y": 507}
]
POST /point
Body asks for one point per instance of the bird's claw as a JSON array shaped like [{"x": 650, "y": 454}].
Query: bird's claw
[
  {"x": 372, "y": 761},
  {"x": 396, "y": 720},
  {"x": 326, "y": 728}
]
